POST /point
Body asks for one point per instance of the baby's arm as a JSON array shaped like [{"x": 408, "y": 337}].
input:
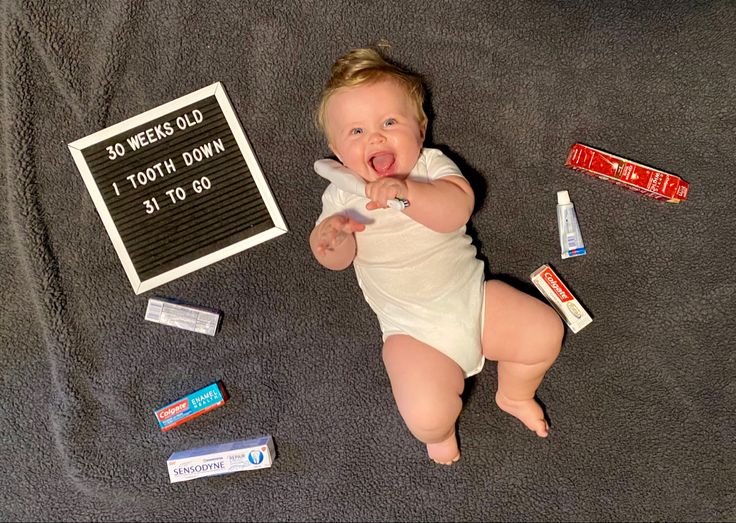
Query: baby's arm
[
  {"x": 333, "y": 241},
  {"x": 442, "y": 205}
]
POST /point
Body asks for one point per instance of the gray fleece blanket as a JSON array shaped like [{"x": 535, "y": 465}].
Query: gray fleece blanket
[{"x": 640, "y": 402}]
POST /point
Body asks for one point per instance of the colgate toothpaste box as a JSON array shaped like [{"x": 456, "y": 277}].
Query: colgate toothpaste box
[
  {"x": 634, "y": 176},
  {"x": 191, "y": 406},
  {"x": 560, "y": 297},
  {"x": 225, "y": 458}
]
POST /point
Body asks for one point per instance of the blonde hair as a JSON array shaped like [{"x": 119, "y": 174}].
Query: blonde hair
[{"x": 365, "y": 66}]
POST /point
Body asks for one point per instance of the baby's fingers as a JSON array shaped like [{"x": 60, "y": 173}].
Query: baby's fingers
[
  {"x": 331, "y": 240},
  {"x": 353, "y": 226}
]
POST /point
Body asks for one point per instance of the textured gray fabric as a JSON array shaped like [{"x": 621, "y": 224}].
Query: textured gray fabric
[{"x": 641, "y": 402}]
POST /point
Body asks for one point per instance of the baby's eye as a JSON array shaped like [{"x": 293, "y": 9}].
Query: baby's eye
[
  {"x": 356, "y": 130},
  {"x": 389, "y": 122}
]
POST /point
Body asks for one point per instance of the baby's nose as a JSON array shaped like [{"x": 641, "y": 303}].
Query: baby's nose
[{"x": 377, "y": 137}]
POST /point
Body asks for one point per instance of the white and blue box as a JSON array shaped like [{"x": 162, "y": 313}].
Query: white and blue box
[
  {"x": 225, "y": 458},
  {"x": 175, "y": 313}
]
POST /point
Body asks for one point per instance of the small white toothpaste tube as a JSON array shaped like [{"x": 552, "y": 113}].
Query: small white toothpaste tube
[
  {"x": 217, "y": 460},
  {"x": 560, "y": 297},
  {"x": 571, "y": 239},
  {"x": 349, "y": 181},
  {"x": 183, "y": 316}
]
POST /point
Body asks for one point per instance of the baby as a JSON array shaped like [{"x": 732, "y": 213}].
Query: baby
[{"x": 417, "y": 267}]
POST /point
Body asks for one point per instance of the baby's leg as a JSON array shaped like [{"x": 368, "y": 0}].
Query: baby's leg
[
  {"x": 524, "y": 336},
  {"x": 427, "y": 387}
]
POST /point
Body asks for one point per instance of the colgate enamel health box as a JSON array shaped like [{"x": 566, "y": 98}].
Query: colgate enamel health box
[
  {"x": 190, "y": 406},
  {"x": 634, "y": 176},
  {"x": 559, "y": 296}
]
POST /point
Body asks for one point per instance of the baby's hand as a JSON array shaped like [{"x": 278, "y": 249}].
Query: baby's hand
[
  {"x": 333, "y": 231},
  {"x": 383, "y": 190}
]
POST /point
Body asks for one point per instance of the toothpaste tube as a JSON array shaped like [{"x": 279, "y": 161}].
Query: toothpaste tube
[
  {"x": 634, "y": 176},
  {"x": 571, "y": 239},
  {"x": 221, "y": 459},
  {"x": 349, "y": 181},
  {"x": 191, "y": 406},
  {"x": 558, "y": 295},
  {"x": 174, "y": 313}
]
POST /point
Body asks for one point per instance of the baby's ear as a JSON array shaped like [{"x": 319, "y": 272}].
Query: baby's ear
[
  {"x": 334, "y": 151},
  {"x": 423, "y": 130}
]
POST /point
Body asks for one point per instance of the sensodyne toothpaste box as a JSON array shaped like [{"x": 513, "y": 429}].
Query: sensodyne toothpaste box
[{"x": 225, "y": 458}]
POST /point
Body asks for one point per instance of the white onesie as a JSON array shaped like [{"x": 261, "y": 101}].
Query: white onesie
[{"x": 426, "y": 284}]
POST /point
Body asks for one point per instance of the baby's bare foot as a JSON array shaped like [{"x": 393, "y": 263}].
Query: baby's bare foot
[
  {"x": 445, "y": 452},
  {"x": 529, "y": 412}
]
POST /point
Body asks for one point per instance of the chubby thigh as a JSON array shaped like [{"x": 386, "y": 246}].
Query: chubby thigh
[
  {"x": 518, "y": 327},
  {"x": 426, "y": 385}
]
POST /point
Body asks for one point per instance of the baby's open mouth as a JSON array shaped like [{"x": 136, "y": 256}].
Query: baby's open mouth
[{"x": 382, "y": 163}]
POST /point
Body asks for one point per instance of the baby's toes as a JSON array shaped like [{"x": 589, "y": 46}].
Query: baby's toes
[{"x": 541, "y": 428}]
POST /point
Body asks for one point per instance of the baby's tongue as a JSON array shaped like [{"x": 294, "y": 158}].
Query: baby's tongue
[{"x": 383, "y": 162}]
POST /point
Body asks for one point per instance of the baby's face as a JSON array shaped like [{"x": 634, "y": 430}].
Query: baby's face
[{"x": 374, "y": 129}]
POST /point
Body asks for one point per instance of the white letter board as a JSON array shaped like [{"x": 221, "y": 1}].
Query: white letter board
[{"x": 178, "y": 187}]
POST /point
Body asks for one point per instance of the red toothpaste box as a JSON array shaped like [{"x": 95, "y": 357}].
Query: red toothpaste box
[{"x": 634, "y": 176}]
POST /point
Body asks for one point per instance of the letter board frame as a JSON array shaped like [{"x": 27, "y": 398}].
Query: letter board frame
[{"x": 163, "y": 223}]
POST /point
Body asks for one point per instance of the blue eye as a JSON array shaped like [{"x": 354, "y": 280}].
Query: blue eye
[
  {"x": 389, "y": 122},
  {"x": 356, "y": 130}
]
